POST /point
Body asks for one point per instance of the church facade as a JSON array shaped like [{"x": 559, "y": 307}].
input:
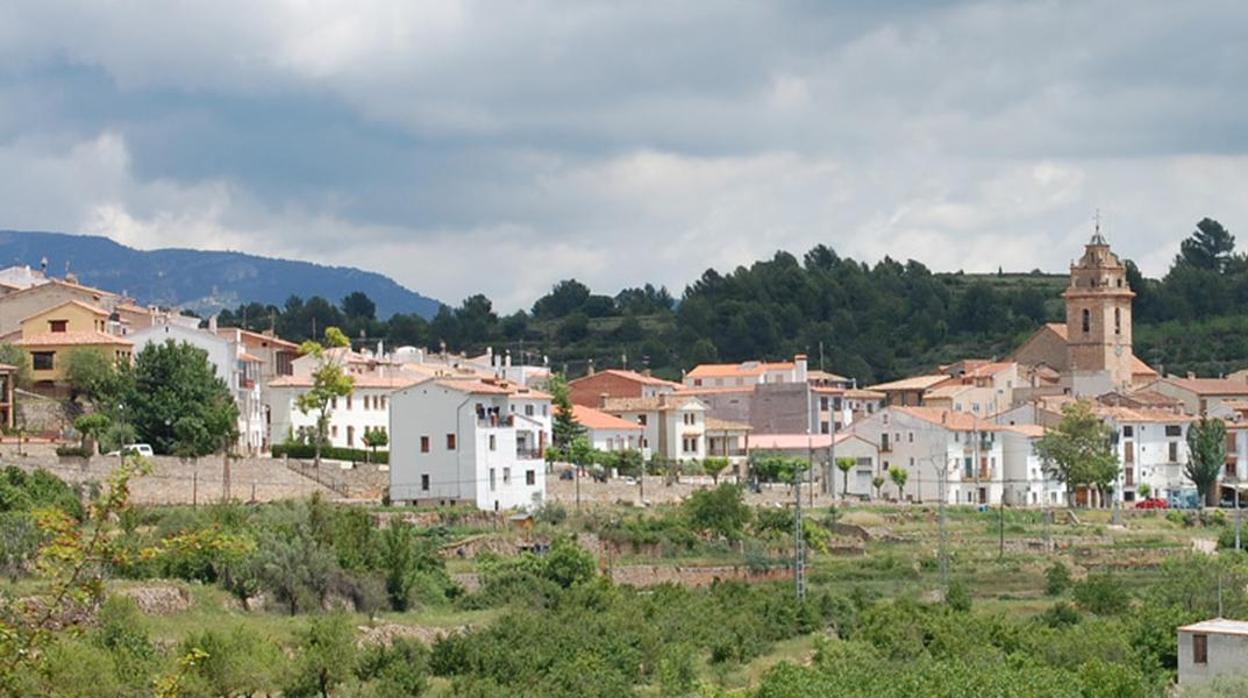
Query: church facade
[{"x": 1092, "y": 350}]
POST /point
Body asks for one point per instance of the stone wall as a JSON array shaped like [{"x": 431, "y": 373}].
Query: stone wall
[{"x": 622, "y": 490}]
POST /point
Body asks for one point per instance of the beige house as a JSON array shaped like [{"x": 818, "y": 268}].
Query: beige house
[{"x": 24, "y": 303}]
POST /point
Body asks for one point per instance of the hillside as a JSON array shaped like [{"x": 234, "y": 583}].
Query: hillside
[{"x": 203, "y": 281}]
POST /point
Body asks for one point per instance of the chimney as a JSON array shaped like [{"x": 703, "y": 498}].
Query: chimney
[
  {"x": 212, "y": 323},
  {"x": 799, "y": 368},
  {"x": 645, "y": 371},
  {"x": 591, "y": 367},
  {"x": 1191, "y": 375},
  {"x": 507, "y": 359}
]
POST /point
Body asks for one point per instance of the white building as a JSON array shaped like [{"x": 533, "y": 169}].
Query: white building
[
  {"x": 1212, "y": 648},
  {"x": 673, "y": 426},
  {"x": 1152, "y": 448},
  {"x": 1027, "y": 481},
  {"x": 465, "y": 441},
  {"x": 747, "y": 373},
  {"x": 231, "y": 363},
  {"x": 366, "y": 409},
  {"x": 607, "y": 432},
  {"x": 940, "y": 449}
]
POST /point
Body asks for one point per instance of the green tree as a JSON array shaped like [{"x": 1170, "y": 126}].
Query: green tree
[
  {"x": 325, "y": 658},
  {"x": 238, "y": 661},
  {"x": 845, "y": 465},
  {"x": 1057, "y": 579},
  {"x": 1210, "y": 248},
  {"x": 19, "y": 360},
  {"x": 1078, "y": 451},
  {"x": 1206, "y": 455},
  {"x": 375, "y": 439},
  {"x": 329, "y": 382},
  {"x": 713, "y": 466},
  {"x": 877, "y": 482},
  {"x": 899, "y": 477},
  {"x": 177, "y": 403},
  {"x": 565, "y": 428},
  {"x": 359, "y": 306},
  {"x": 91, "y": 426},
  {"x": 720, "y": 510},
  {"x": 92, "y": 375},
  {"x": 568, "y": 564}
]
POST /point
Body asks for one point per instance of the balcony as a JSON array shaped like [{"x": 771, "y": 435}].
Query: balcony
[{"x": 495, "y": 421}]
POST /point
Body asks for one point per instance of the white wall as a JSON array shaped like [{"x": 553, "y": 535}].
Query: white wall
[
  {"x": 345, "y": 420},
  {"x": 1227, "y": 654}
]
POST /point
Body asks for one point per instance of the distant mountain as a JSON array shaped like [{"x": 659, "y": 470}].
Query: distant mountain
[{"x": 204, "y": 281}]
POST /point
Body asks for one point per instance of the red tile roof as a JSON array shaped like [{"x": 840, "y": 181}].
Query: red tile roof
[
  {"x": 54, "y": 339},
  {"x": 591, "y": 418}
]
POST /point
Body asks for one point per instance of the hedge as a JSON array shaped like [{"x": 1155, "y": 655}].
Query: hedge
[
  {"x": 355, "y": 455},
  {"x": 73, "y": 451}
]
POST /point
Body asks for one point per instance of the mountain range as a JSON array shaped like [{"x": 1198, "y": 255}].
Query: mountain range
[{"x": 201, "y": 280}]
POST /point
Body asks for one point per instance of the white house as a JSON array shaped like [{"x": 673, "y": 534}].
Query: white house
[
  {"x": 231, "y": 363},
  {"x": 366, "y": 409},
  {"x": 1027, "y": 482},
  {"x": 1152, "y": 447},
  {"x": 748, "y": 373},
  {"x": 469, "y": 441},
  {"x": 1212, "y": 648},
  {"x": 673, "y": 426},
  {"x": 607, "y": 432},
  {"x": 938, "y": 448}
]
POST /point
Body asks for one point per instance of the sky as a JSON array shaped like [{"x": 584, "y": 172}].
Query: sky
[{"x": 498, "y": 147}]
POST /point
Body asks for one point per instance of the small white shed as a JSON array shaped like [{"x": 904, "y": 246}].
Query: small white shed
[{"x": 1212, "y": 648}]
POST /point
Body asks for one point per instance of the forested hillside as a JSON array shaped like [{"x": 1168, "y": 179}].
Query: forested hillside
[{"x": 872, "y": 322}]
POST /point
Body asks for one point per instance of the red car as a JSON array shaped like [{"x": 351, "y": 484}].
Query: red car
[{"x": 1152, "y": 503}]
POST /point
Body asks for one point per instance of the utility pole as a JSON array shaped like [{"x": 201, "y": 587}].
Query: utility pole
[
  {"x": 1238, "y": 514},
  {"x": 942, "y": 478},
  {"x": 799, "y": 546}
]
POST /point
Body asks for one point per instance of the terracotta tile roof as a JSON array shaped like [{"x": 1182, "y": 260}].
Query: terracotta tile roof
[
  {"x": 1211, "y": 386},
  {"x": 864, "y": 394},
  {"x": 1139, "y": 368},
  {"x": 714, "y": 390},
  {"x": 647, "y": 404},
  {"x": 816, "y": 374},
  {"x": 1058, "y": 327},
  {"x": 95, "y": 309},
  {"x": 796, "y": 442},
  {"x": 949, "y": 419},
  {"x": 389, "y": 382},
  {"x": 250, "y": 337},
  {"x": 748, "y": 368},
  {"x": 1140, "y": 414},
  {"x": 714, "y": 424},
  {"x": 629, "y": 375},
  {"x": 989, "y": 369},
  {"x": 1029, "y": 430},
  {"x": 591, "y": 418},
  {"x": 492, "y": 387},
  {"x": 949, "y": 391},
  {"x": 912, "y": 383},
  {"x": 53, "y": 339}
]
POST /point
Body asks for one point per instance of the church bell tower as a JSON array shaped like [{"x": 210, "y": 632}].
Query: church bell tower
[{"x": 1098, "y": 318}]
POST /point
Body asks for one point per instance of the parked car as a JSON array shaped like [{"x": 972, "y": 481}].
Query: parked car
[
  {"x": 1152, "y": 503},
  {"x": 134, "y": 449}
]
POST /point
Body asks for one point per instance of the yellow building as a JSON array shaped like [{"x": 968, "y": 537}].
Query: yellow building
[{"x": 50, "y": 335}]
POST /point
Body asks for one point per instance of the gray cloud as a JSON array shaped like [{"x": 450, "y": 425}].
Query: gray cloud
[{"x": 498, "y": 147}]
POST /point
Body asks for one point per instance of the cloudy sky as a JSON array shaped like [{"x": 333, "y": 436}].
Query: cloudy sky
[{"x": 500, "y": 146}]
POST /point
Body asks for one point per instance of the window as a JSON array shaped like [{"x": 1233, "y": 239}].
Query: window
[
  {"x": 333, "y": 403},
  {"x": 530, "y": 477},
  {"x": 823, "y": 405},
  {"x": 910, "y": 437},
  {"x": 450, "y": 442},
  {"x": 823, "y": 427},
  {"x": 506, "y": 476},
  {"x": 1200, "y": 649},
  {"x": 350, "y": 436},
  {"x": 42, "y": 360},
  {"x": 1174, "y": 452},
  {"x": 494, "y": 445},
  {"x": 641, "y": 419},
  {"x": 333, "y": 431},
  {"x": 424, "y": 483},
  {"x": 884, "y": 442},
  {"x": 1174, "y": 430},
  {"x": 424, "y": 444},
  {"x": 1128, "y": 431},
  {"x": 1117, "y": 321},
  {"x": 528, "y": 410},
  {"x": 58, "y": 325},
  {"x": 492, "y": 483},
  {"x": 1087, "y": 320},
  {"x": 383, "y": 401},
  {"x": 348, "y": 402}
]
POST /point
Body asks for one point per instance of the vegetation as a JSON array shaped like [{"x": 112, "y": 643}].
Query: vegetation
[
  {"x": 329, "y": 382},
  {"x": 1206, "y": 455},
  {"x": 1079, "y": 451}
]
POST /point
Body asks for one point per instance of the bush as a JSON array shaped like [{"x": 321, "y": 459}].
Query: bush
[
  {"x": 1057, "y": 579},
  {"x": 73, "y": 451},
  {"x": 958, "y": 597},
  {"x": 721, "y": 511},
  {"x": 1103, "y": 594},
  {"x": 353, "y": 455}
]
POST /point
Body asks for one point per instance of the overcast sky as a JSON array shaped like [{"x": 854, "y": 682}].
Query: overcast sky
[{"x": 498, "y": 147}]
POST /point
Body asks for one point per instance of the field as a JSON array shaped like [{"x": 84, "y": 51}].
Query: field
[{"x": 475, "y": 614}]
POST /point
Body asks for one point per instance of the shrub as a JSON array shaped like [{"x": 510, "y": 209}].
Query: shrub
[
  {"x": 721, "y": 511},
  {"x": 1103, "y": 594},
  {"x": 308, "y": 451},
  {"x": 73, "y": 451},
  {"x": 1057, "y": 579},
  {"x": 958, "y": 597}
]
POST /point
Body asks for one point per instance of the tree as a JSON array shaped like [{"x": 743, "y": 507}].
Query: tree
[
  {"x": 358, "y": 305},
  {"x": 1078, "y": 451},
  {"x": 176, "y": 402},
  {"x": 713, "y": 466},
  {"x": 326, "y": 657},
  {"x": 721, "y": 511},
  {"x": 565, "y": 428},
  {"x": 91, "y": 374},
  {"x": 19, "y": 359},
  {"x": 877, "y": 482},
  {"x": 566, "y": 297},
  {"x": 1206, "y": 455},
  {"x": 899, "y": 477},
  {"x": 1210, "y": 248},
  {"x": 90, "y": 426},
  {"x": 329, "y": 382},
  {"x": 375, "y": 439},
  {"x": 845, "y": 465}
]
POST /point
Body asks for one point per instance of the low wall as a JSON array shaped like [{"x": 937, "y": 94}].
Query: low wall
[
  {"x": 621, "y": 490},
  {"x": 653, "y": 575}
]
